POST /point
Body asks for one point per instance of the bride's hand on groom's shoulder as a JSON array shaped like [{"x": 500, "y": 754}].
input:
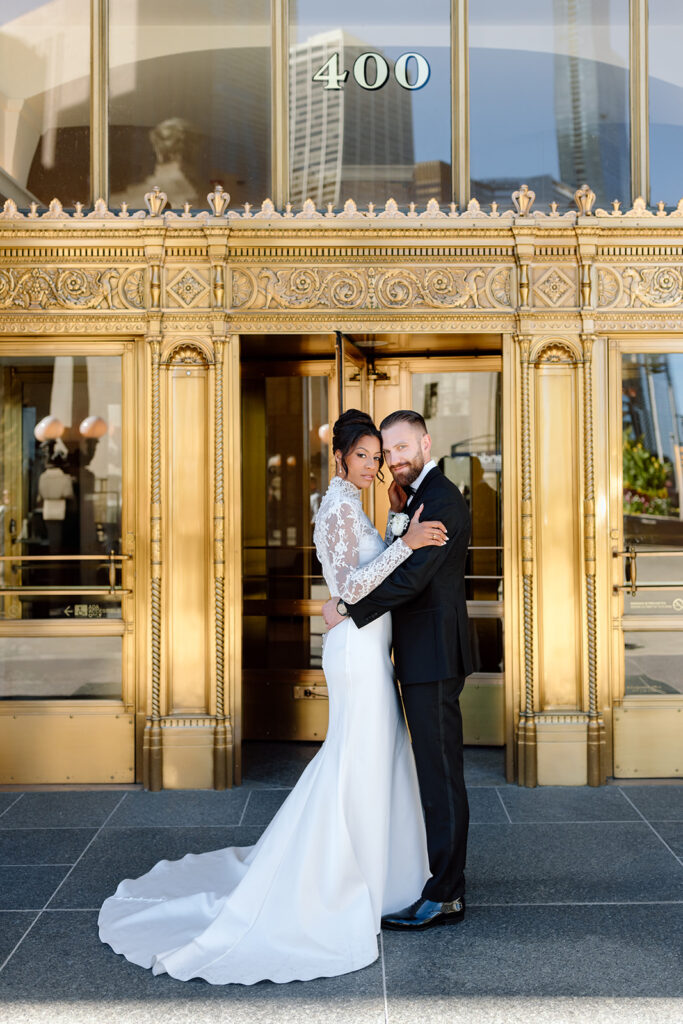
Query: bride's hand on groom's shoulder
[
  {"x": 430, "y": 533},
  {"x": 330, "y": 614}
]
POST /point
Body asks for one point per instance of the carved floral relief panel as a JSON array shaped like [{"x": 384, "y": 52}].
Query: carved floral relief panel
[
  {"x": 187, "y": 287},
  {"x": 653, "y": 287},
  {"x": 74, "y": 288},
  {"x": 371, "y": 288},
  {"x": 554, "y": 287}
]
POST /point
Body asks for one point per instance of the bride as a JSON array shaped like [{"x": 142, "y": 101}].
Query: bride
[{"x": 348, "y": 844}]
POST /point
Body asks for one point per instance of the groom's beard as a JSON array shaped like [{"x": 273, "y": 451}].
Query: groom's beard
[{"x": 407, "y": 472}]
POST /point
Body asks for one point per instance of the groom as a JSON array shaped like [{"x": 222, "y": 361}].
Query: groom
[{"x": 426, "y": 596}]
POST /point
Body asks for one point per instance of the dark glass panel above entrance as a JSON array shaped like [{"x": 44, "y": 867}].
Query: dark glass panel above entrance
[
  {"x": 370, "y": 108},
  {"x": 189, "y": 100},
  {"x": 44, "y": 101},
  {"x": 549, "y": 99}
]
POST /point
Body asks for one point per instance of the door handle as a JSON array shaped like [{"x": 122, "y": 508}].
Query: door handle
[{"x": 630, "y": 569}]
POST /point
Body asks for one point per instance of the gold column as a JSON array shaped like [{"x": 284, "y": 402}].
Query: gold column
[
  {"x": 596, "y": 725},
  {"x": 526, "y": 729},
  {"x": 188, "y": 649},
  {"x": 222, "y": 737},
  {"x": 233, "y": 556},
  {"x": 152, "y": 748},
  {"x": 559, "y": 580}
]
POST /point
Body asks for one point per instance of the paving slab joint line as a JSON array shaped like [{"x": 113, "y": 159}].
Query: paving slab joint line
[
  {"x": 384, "y": 979},
  {"x": 10, "y": 806},
  {"x": 581, "y": 903},
  {"x": 39, "y": 864},
  {"x": 244, "y": 809},
  {"x": 500, "y": 797},
  {"x": 650, "y": 825},
  {"x": 75, "y": 863}
]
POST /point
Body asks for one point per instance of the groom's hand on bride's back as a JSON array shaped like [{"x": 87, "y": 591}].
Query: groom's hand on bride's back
[{"x": 330, "y": 614}]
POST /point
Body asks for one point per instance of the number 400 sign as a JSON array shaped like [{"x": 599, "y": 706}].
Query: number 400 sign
[{"x": 411, "y": 71}]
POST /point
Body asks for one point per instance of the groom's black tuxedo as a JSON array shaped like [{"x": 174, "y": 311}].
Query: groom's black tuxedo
[{"x": 426, "y": 596}]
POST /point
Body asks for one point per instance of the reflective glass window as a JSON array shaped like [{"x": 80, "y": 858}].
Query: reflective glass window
[
  {"x": 549, "y": 99},
  {"x": 653, "y": 663},
  {"x": 652, "y": 412},
  {"x": 370, "y": 107},
  {"x": 189, "y": 100},
  {"x": 60, "y": 487},
  {"x": 51, "y": 667},
  {"x": 666, "y": 101},
  {"x": 462, "y": 413},
  {"x": 44, "y": 101}
]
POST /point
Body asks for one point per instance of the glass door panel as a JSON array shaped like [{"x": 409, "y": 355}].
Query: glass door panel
[
  {"x": 66, "y": 577},
  {"x": 61, "y": 484},
  {"x": 652, "y": 407},
  {"x": 649, "y": 581},
  {"x": 462, "y": 410},
  {"x": 286, "y": 467},
  {"x": 35, "y": 667}
]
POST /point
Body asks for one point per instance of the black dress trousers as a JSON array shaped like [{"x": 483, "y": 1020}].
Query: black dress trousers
[{"x": 435, "y": 723}]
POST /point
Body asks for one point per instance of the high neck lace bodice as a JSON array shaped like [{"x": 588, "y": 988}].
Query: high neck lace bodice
[
  {"x": 340, "y": 487},
  {"x": 352, "y": 554}
]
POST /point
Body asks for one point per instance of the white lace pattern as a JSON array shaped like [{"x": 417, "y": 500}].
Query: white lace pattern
[{"x": 340, "y": 526}]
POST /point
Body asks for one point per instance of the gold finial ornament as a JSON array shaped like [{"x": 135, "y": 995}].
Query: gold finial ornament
[
  {"x": 523, "y": 200},
  {"x": 219, "y": 201},
  {"x": 156, "y": 200},
  {"x": 584, "y": 198}
]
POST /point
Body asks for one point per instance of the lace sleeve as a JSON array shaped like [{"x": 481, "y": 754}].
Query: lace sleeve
[{"x": 337, "y": 537}]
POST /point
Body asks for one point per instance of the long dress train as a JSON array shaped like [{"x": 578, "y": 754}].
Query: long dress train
[{"x": 346, "y": 846}]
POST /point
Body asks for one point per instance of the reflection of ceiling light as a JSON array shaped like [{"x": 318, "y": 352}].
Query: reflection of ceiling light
[
  {"x": 49, "y": 429},
  {"x": 93, "y": 426},
  {"x": 371, "y": 344},
  {"x": 324, "y": 433},
  {"x": 291, "y": 461}
]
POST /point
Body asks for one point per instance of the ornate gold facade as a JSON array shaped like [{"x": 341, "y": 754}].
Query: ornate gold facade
[{"x": 559, "y": 297}]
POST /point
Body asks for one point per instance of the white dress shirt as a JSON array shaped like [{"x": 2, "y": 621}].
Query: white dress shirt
[{"x": 428, "y": 466}]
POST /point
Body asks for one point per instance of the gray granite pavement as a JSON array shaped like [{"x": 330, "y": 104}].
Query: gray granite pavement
[{"x": 575, "y": 910}]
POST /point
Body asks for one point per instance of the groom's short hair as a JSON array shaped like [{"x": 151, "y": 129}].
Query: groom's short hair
[{"x": 404, "y": 416}]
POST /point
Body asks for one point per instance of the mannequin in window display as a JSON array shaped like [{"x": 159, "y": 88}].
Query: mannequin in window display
[
  {"x": 180, "y": 168},
  {"x": 55, "y": 488}
]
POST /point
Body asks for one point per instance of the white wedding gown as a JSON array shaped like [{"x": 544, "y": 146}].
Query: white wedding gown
[{"x": 346, "y": 846}]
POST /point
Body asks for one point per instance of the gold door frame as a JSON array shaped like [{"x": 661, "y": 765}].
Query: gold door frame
[
  {"x": 647, "y": 730},
  {"x": 399, "y": 371},
  {"x": 72, "y": 740}
]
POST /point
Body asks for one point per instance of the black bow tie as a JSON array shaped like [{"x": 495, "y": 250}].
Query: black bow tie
[{"x": 410, "y": 490}]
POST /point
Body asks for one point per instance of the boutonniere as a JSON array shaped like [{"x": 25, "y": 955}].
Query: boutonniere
[{"x": 399, "y": 523}]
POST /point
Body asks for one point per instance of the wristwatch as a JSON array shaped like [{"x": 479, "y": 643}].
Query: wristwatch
[{"x": 341, "y": 607}]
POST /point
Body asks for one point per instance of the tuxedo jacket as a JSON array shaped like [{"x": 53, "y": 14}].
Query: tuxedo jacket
[{"x": 426, "y": 593}]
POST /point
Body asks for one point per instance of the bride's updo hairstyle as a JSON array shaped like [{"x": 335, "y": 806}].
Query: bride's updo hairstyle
[{"x": 351, "y": 426}]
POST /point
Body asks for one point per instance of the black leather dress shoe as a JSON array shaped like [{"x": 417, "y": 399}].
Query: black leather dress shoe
[{"x": 425, "y": 914}]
